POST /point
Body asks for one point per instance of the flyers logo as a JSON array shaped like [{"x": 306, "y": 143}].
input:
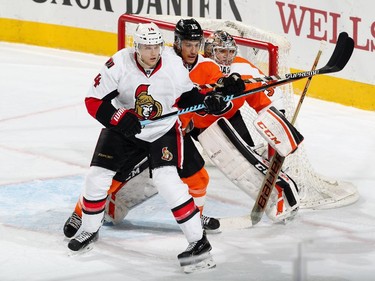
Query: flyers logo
[{"x": 269, "y": 92}]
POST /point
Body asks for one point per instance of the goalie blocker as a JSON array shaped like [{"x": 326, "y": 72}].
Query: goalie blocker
[
  {"x": 246, "y": 169},
  {"x": 282, "y": 136}
]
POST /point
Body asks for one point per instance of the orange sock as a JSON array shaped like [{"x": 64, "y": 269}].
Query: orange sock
[
  {"x": 115, "y": 186},
  {"x": 197, "y": 187}
]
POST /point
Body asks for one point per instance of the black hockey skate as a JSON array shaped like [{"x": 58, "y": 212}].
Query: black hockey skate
[
  {"x": 197, "y": 256},
  {"x": 83, "y": 241},
  {"x": 72, "y": 225},
  {"x": 210, "y": 225}
]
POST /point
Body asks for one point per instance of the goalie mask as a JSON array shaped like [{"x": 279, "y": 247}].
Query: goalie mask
[
  {"x": 221, "y": 47},
  {"x": 187, "y": 29},
  {"x": 147, "y": 34}
]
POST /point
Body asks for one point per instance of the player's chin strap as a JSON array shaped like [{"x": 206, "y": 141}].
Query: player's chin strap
[{"x": 340, "y": 57}]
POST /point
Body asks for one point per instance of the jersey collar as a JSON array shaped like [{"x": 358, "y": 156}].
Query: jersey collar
[{"x": 147, "y": 72}]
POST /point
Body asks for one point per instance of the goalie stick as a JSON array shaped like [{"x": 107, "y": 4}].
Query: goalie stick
[
  {"x": 344, "y": 41},
  {"x": 340, "y": 57}
]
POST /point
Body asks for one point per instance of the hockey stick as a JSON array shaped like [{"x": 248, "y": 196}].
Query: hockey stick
[
  {"x": 267, "y": 79},
  {"x": 277, "y": 160},
  {"x": 340, "y": 57}
]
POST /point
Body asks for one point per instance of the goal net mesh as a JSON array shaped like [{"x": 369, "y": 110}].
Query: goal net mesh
[{"x": 316, "y": 190}]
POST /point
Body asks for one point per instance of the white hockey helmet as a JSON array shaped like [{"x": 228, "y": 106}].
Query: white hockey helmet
[{"x": 148, "y": 34}]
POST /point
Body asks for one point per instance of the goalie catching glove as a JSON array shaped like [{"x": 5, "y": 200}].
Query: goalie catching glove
[
  {"x": 278, "y": 131},
  {"x": 215, "y": 103},
  {"x": 231, "y": 85}
]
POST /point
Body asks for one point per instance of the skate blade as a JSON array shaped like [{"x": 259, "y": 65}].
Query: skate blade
[
  {"x": 82, "y": 251},
  {"x": 284, "y": 219},
  {"x": 198, "y": 263},
  {"x": 213, "y": 231},
  {"x": 241, "y": 222}
]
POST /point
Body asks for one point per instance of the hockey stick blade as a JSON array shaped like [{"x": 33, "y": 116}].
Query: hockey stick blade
[
  {"x": 341, "y": 54},
  {"x": 340, "y": 44},
  {"x": 340, "y": 57}
]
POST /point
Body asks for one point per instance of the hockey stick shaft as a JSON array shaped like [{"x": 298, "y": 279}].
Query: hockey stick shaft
[
  {"x": 340, "y": 57},
  {"x": 333, "y": 63},
  {"x": 307, "y": 85},
  {"x": 277, "y": 161}
]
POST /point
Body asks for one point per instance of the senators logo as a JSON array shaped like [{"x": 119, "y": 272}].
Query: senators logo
[
  {"x": 166, "y": 154},
  {"x": 145, "y": 105}
]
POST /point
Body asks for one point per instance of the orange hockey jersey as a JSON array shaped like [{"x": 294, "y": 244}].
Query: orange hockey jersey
[
  {"x": 205, "y": 71},
  {"x": 257, "y": 101}
]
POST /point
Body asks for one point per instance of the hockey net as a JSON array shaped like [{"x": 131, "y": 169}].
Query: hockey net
[{"x": 269, "y": 52}]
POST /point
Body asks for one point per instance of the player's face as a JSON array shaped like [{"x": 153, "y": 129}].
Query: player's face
[
  {"x": 150, "y": 54},
  {"x": 224, "y": 55},
  {"x": 190, "y": 50}
]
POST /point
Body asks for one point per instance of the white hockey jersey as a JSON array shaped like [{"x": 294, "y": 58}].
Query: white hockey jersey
[{"x": 148, "y": 94}]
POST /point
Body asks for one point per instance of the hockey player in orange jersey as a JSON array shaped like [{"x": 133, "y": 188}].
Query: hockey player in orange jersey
[
  {"x": 221, "y": 47},
  {"x": 188, "y": 42}
]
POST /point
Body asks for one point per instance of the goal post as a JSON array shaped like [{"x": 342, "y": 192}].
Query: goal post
[
  {"x": 241, "y": 41},
  {"x": 269, "y": 52}
]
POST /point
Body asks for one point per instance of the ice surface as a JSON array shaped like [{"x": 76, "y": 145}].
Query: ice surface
[{"x": 46, "y": 141}]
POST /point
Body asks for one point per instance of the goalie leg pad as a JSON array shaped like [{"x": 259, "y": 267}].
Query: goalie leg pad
[
  {"x": 130, "y": 195},
  {"x": 245, "y": 168},
  {"x": 278, "y": 131},
  {"x": 128, "y": 190}
]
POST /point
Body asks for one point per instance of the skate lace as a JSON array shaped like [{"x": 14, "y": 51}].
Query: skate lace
[
  {"x": 191, "y": 246},
  {"x": 84, "y": 236},
  {"x": 205, "y": 220},
  {"x": 75, "y": 221}
]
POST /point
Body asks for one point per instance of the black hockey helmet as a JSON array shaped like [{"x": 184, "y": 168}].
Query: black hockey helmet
[{"x": 187, "y": 29}]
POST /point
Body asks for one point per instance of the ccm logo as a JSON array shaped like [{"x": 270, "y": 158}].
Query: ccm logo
[{"x": 268, "y": 133}]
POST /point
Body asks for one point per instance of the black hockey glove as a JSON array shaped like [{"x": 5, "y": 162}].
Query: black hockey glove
[
  {"x": 190, "y": 98},
  {"x": 232, "y": 85},
  {"x": 126, "y": 122},
  {"x": 215, "y": 103}
]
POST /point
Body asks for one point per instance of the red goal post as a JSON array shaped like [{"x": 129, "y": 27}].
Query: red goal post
[{"x": 247, "y": 42}]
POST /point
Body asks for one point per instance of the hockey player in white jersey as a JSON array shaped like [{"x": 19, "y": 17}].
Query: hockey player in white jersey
[
  {"x": 142, "y": 83},
  {"x": 123, "y": 195}
]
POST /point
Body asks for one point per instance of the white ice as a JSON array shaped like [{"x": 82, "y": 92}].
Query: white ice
[{"x": 46, "y": 141}]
